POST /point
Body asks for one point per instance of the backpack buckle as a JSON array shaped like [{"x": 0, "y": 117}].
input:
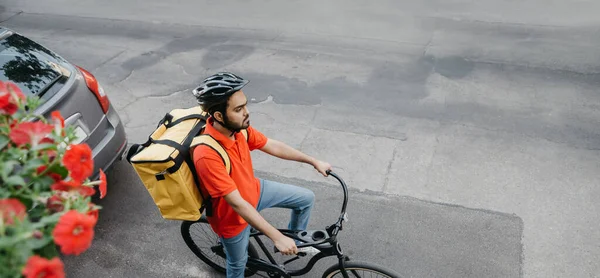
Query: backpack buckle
[{"x": 160, "y": 176}]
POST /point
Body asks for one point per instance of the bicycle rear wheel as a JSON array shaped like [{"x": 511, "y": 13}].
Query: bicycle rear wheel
[
  {"x": 200, "y": 238},
  {"x": 360, "y": 270}
]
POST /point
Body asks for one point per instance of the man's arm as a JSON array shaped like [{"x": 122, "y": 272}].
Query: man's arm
[
  {"x": 284, "y": 244},
  {"x": 283, "y": 151}
]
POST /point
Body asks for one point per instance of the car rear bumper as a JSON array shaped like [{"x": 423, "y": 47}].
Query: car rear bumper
[{"x": 111, "y": 147}]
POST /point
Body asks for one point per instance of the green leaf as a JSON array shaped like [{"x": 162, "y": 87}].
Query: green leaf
[
  {"x": 43, "y": 183},
  {"x": 45, "y": 146},
  {"x": 35, "y": 243},
  {"x": 47, "y": 220},
  {"x": 49, "y": 251},
  {"x": 15, "y": 180},
  {"x": 34, "y": 164},
  {"x": 36, "y": 212},
  {"x": 16, "y": 153},
  {"x": 8, "y": 167},
  {"x": 9, "y": 241},
  {"x": 4, "y": 140},
  {"x": 33, "y": 103},
  {"x": 13, "y": 261},
  {"x": 59, "y": 169}
]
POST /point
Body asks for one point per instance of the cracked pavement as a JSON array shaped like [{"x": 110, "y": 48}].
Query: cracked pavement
[{"x": 466, "y": 131}]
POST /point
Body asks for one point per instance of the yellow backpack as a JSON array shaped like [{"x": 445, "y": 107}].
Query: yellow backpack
[{"x": 165, "y": 167}]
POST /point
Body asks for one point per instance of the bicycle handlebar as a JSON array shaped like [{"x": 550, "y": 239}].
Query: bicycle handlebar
[{"x": 345, "y": 204}]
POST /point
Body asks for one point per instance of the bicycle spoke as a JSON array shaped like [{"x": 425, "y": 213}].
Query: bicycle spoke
[
  {"x": 204, "y": 240},
  {"x": 205, "y": 232},
  {"x": 208, "y": 236},
  {"x": 195, "y": 233}
]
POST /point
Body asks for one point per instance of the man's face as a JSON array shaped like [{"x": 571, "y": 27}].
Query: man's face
[{"x": 238, "y": 116}]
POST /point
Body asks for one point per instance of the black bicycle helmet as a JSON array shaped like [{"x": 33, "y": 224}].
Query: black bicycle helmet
[{"x": 218, "y": 87}]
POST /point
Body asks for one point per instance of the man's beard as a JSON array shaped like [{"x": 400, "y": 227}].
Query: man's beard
[{"x": 234, "y": 127}]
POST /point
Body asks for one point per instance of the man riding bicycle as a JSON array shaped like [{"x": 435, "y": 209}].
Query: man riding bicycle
[{"x": 236, "y": 197}]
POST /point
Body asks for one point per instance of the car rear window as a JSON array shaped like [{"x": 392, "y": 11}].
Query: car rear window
[{"x": 32, "y": 67}]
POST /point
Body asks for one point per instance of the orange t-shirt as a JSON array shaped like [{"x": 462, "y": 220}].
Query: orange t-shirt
[{"x": 218, "y": 183}]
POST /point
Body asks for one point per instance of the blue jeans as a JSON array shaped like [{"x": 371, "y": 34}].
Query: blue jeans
[{"x": 272, "y": 194}]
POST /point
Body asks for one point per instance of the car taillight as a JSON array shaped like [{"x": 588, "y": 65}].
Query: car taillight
[{"x": 95, "y": 87}]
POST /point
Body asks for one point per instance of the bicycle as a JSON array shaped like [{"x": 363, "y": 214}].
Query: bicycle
[{"x": 323, "y": 240}]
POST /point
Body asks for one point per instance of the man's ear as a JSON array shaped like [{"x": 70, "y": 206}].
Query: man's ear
[{"x": 218, "y": 116}]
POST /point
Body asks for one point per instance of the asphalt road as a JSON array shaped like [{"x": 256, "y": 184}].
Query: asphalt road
[{"x": 466, "y": 131}]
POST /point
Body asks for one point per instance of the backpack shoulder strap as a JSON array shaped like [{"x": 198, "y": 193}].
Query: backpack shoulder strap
[{"x": 208, "y": 140}]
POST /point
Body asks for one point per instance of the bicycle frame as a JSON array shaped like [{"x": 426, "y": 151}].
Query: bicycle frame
[{"x": 323, "y": 240}]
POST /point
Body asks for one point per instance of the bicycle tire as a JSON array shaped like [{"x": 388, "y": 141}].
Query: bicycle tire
[
  {"x": 355, "y": 269},
  {"x": 214, "y": 260}
]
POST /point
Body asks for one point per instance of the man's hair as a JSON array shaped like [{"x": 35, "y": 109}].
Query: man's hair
[{"x": 220, "y": 106}]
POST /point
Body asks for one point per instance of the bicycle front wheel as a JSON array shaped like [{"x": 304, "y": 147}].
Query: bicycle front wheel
[
  {"x": 201, "y": 239},
  {"x": 360, "y": 270}
]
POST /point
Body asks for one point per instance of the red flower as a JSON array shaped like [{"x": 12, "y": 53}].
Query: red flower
[
  {"x": 93, "y": 211},
  {"x": 102, "y": 185},
  {"x": 59, "y": 123},
  {"x": 29, "y": 132},
  {"x": 73, "y": 185},
  {"x": 57, "y": 119},
  {"x": 10, "y": 96},
  {"x": 74, "y": 232},
  {"x": 5, "y": 106},
  {"x": 10, "y": 209},
  {"x": 55, "y": 204},
  {"x": 11, "y": 123},
  {"x": 41, "y": 169},
  {"x": 78, "y": 160},
  {"x": 38, "y": 267},
  {"x": 56, "y": 177},
  {"x": 46, "y": 140}
]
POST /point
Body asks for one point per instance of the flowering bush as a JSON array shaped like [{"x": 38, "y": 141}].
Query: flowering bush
[{"x": 45, "y": 191}]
